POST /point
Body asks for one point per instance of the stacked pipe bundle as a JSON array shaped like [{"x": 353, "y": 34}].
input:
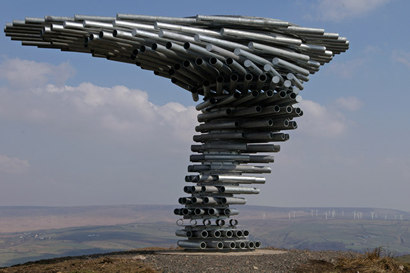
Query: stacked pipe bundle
[{"x": 249, "y": 71}]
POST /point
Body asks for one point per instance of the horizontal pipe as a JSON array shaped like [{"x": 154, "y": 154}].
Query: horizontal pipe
[
  {"x": 236, "y": 179},
  {"x": 216, "y": 126},
  {"x": 230, "y": 168},
  {"x": 218, "y": 42},
  {"x": 259, "y": 36},
  {"x": 215, "y": 244},
  {"x": 181, "y": 233},
  {"x": 233, "y": 200},
  {"x": 191, "y": 244},
  {"x": 217, "y": 136},
  {"x": 210, "y": 189},
  {"x": 214, "y": 115},
  {"x": 246, "y": 21},
  {"x": 231, "y": 212},
  {"x": 238, "y": 190},
  {"x": 232, "y": 157},
  {"x": 278, "y": 52}
]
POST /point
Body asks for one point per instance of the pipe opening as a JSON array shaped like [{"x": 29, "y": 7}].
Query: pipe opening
[
  {"x": 212, "y": 60},
  {"x": 262, "y": 77},
  {"x": 101, "y": 34},
  {"x": 270, "y": 122},
  {"x": 168, "y": 45},
  {"x": 248, "y": 77},
  {"x": 142, "y": 48},
  {"x": 154, "y": 46},
  {"x": 115, "y": 33},
  {"x": 199, "y": 61},
  {"x": 186, "y": 63},
  {"x": 229, "y": 61},
  {"x": 187, "y": 45}
]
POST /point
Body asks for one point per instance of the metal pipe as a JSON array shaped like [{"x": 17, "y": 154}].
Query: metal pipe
[
  {"x": 297, "y": 69},
  {"x": 216, "y": 126},
  {"x": 294, "y": 80},
  {"x": 213, "y": 115},
  {"x": 229, "y": 168},
  {"x": 191, "y": 244},
  {"x": 233, "y": 81},
  {"x": 219, "y": 42},
  {"x": 249, "y": 96},
  {"x": 240, "y": 179},
  {"x": 133, "y": 25},
  {"x": 223, "y": 52},
  {"x": 231, "y": 212},
  {"x": 181, "y": 28},
  {"x": 175, "y": 36},
  {"x": 259, "y": 36},
  {"x": 215, "y": 244},
  {"x": 229, "y": 244},
  {"x": 250, "y": 56},
  {"x": 220, "y": 65},
  {"x": 210, "y": 189},
  {"x": 236, "y": 66},
  {"x": 148, "y": 18},
  {"x": 291, "y": 55},
  {"x": 233, "y": 200},
  {"x": 216, "y": 233},
  {"x": 239, "y": 20},
  {"x": 253, "y": 67},
  {"x": 181, "y": 233}
]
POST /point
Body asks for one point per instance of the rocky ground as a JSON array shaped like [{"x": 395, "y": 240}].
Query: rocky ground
[{"x": 168, "y": 260}]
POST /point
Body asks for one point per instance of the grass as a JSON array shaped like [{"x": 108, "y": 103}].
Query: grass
[{"x": 375, "y": 261}]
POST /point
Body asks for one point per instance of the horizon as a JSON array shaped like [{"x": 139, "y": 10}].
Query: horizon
[{"x": 78, "y": 131}]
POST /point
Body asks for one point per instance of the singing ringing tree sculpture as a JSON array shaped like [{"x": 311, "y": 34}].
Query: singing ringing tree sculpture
[{"x": 249, "y": 71}]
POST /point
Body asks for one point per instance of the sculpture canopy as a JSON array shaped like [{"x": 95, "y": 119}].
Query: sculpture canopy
[{"x": 198, "y": 53}]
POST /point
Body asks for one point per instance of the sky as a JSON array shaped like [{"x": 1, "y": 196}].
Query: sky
[{"x": 77, "y": 130}]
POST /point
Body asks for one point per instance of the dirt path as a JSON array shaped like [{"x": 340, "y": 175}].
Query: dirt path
[{"x": 165, "y": 260}]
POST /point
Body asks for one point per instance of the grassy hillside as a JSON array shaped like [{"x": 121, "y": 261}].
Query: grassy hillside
[{"x": 129, "y": 227}]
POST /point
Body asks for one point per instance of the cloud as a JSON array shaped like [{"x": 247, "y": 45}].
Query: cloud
[
  {"x": 331, "y": 10},
  {"x": 88, "y": 108},
  {"x": 402, "y": 57},
  {"x": 349, "y": 103},
  {"x": 28, "y": 74},
  {"x": 321, "y": 121},
  {"x": 346, "y": 69},
  {"x": 13, "y": 165}
]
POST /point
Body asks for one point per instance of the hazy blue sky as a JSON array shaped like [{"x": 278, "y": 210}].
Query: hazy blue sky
[{"x": 77, "y": 130}]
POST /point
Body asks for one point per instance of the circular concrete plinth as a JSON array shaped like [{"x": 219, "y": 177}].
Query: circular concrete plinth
[{"x": 222, "y": 253}]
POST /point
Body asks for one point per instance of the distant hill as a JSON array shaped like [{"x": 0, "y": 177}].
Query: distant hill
[{"x": 31, "y": 233}]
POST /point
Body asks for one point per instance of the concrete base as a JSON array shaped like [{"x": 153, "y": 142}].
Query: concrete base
[{"x": 222, "y": 253}]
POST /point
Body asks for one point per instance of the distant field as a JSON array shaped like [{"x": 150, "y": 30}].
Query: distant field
[{"x": 86, "y": 230}]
